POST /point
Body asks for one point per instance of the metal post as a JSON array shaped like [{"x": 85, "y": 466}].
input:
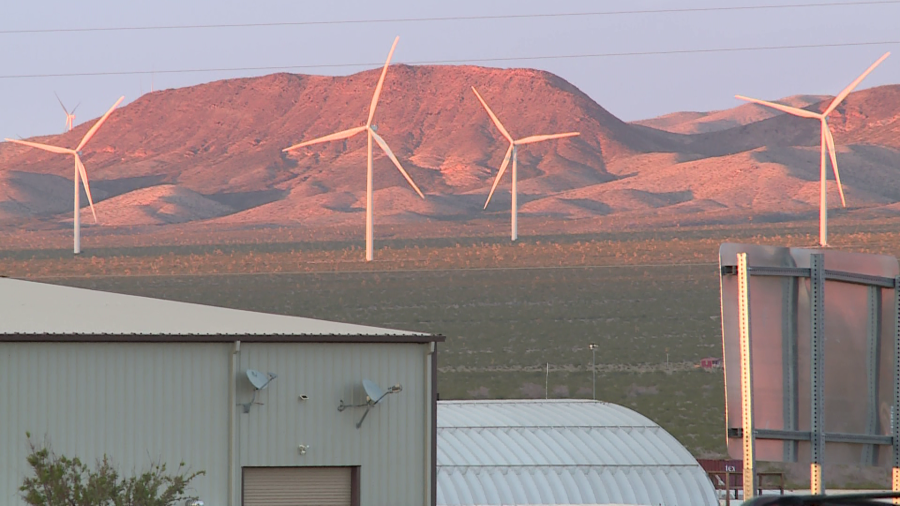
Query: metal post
[
  {"x": 593, "y": 348},
  {"x": 746, "y": 379},
  {"x": 817, "y": 391},
  {"x": 234, "y": 444},
  {"x": 873, "y": 345},
  {"x": 547, "y": 383},
  {"x": 895, "y": 427},
  {"x": 790, "y": 408},
  {"x": 727, "y": 488}
]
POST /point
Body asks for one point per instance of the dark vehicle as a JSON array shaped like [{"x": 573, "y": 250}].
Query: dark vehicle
[{"x": 871, "y": 499}]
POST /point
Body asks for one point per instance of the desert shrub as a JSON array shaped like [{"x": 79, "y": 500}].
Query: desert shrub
[{"x": 62, "y": 481}]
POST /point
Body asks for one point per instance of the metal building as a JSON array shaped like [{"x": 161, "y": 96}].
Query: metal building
[
  {"x": 561, "y": 452},
  {"x": 144, "y": 380}
]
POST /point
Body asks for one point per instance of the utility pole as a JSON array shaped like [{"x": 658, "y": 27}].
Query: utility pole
[
  {"x": 547, "y": 383},
  {"x": 593, "y": 347}
]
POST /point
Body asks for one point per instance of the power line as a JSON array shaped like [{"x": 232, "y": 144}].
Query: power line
[
  {"x": 452, "y": 18},
  {"x": 456, "y": 62}
]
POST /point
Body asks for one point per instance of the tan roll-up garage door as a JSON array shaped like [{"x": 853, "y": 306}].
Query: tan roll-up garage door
[{"x": 297, "y": 486}]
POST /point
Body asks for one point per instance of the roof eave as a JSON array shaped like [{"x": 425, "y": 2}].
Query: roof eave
[{"x": 223, "y": 338}]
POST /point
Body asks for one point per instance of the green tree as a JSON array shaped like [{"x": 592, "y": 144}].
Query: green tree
[{"x": 62, "y": 481}]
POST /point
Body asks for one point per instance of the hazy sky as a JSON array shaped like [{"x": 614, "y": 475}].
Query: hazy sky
[{"x": 630, "y": 87}]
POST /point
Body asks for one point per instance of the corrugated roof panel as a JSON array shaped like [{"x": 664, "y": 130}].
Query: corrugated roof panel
[
  {"x": 560, "y": 446},
  {"x": 26, "y": 305},
  {"x": 606, "y": 481},
  {"x": 544, "y": 413},
  {"x": 561, "y": 452},
  {"x": 574, "y": 491},
  {"x": 576, "y": 486}
]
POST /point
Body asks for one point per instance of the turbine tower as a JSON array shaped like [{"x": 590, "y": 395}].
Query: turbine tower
[
  {"x": 827, "y": 142},
  {"x": 371, "y": 134},
  {"x": 79, "y": 169},
  {"x": 70, "y": 116},
  {"x": 513, "y": 151}
]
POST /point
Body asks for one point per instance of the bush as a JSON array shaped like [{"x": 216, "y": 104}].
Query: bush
[{"x": 62, "y": 481}]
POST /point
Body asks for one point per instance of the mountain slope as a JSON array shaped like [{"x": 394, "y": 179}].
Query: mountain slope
[
  {"x": 714, "y": 121},
  {"x": 212, "y": 154},
  {"x": 229, "y": 134}
]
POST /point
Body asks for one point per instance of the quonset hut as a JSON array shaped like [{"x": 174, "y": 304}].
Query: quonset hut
[
  {"x": 561, "y": 452},
  {"x": 150, "y": 381}
]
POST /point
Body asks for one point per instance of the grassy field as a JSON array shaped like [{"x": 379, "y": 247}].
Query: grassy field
[
  {"x": 503, "y": 326},
  {"x": 650, "y": 301}
]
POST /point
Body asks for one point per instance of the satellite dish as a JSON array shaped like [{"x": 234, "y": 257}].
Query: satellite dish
[
  {"x": 373, "y": 391},
  {"x": 258, "y": 379},
  {"x": 374, "y": 394}
]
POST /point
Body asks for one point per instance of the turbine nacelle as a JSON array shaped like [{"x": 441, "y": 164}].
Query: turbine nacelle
[{"x": 70, "y": 116}]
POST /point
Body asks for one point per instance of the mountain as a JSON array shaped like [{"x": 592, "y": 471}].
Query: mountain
[
  {"x": 868, "y": 117},
  {"x": 714, "y": 121},
  {"x": 212, "y": 155}
]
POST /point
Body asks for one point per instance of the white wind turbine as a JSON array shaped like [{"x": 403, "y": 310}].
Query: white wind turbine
[
  {"x": 70, "y": 116},
  {"x": 79, "y": 169},
  {"x": 370, "y": 130},
  {"x": 827, "y": 141},
  {"x": 513, "y": 151}
]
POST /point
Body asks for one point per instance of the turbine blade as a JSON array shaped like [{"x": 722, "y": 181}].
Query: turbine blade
[
  {"x": 61, "y": 104},
  {"x": 842, "y": 95},
  {"x": 493, "y": 116},
  {"x": 499, "y": 174},
  {"x": 393, "y": 158},
  {"x": 829, "y": 140},
  {"x": 803, "y": 113},
  {"x": 76, "y": 107},
  {"x": 98, "y": 124},
  {"x": 539, "y": 138},
  {"x": 381, "y": 83},
  {"x": 87, "y": 186},
  {"x": 332, "y": 137},
  {"x": 45, "y": 147}
]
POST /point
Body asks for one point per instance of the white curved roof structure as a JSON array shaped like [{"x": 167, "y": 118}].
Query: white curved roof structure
[{"x": 561, "y": 452}]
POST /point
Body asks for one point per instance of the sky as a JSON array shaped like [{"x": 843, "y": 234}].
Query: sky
[{"x": 631, "y": 87}]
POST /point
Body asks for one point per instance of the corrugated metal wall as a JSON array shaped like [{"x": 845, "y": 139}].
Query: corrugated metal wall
[
  {"x": 136, "y": 403},
  {"x": 169, "y": 402},
  {"x": 390, "y": 446}
]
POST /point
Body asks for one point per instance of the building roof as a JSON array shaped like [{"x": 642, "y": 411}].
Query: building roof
[
  {"x": 38, "y": 311},
  {"x": 561, "y": 452}
]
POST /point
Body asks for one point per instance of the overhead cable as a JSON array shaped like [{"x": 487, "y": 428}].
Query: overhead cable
[
  {"x": 685, "y": 10},
  {"x": 456, "y": 61}
]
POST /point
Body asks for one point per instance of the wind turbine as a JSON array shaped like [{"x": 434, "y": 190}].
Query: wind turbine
[
  {"x": 370, "y": 130},
  {"x": 827, "y": 141},
  {"x": 513, "y": 151},
  {"x": 70, "y": 116},
  {"x": 79, "y": 169}
]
